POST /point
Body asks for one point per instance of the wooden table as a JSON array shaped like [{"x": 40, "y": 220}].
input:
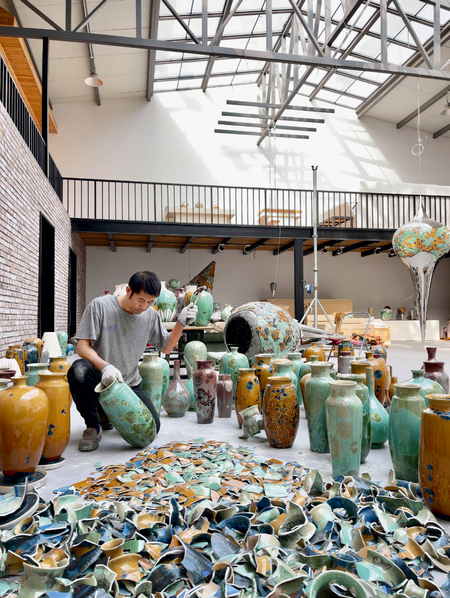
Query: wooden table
[
  {"x": 189, "y": 330},
  {"x": 275, "y": 216},
  {"x": 198, "y": 215}
]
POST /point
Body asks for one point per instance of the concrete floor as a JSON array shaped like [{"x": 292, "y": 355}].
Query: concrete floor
[{"x": 402, "y": 356}]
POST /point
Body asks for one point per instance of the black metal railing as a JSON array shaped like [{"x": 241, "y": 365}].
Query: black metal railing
[
  {"x": 12, "y": 100},
  {"x": 247, "y": 206}
]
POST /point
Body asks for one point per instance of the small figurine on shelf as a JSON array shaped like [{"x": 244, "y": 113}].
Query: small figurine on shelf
[
  {"x": 401, "y": 313},
  {"x": 386, "y": 313}
]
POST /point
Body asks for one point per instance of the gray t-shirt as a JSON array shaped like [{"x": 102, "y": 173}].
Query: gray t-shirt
[{"x": 121, "y": 338}]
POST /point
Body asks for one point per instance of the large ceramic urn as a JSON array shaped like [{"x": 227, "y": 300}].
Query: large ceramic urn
[
  {"x": 58, "y": 433},
  {"x": 260, "y": 327},
  {"x": 24, "y": 413}
]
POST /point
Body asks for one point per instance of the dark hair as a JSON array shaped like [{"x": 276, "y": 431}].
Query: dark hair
[{"x": 145, "y": 281}]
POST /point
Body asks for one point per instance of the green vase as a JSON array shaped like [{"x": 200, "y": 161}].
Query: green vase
[
  {"x": 63, "y": 339},
  {"x": 205, "y": 304},
  {"x": 226, "y": 312},
  {"x": 317, "y": 389},
  {"x": 165, "y": 373},
  {"x": 344, "y": 412},
  {"x": 151, "y": 372},
  {"x": 231, "y": 363},
  {"x": 427, "y": 386},
  {"x": 190, "y": 350},
  {"x": 363, "y": 393},
  {"x": 404, "y": 431},
  {"x": 33, "y": 371},
  {"x": 128, "y": 414},
  {"x": 166, "y": 303},
  {"x": 300, "y": 370},
  {"x": 378, "y": 414},
  {"x": 190, "y": 389}
]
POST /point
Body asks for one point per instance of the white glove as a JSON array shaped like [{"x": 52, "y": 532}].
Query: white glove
[
  {"x": 109, "y": 374},
  {"x": 188, "y": 314}
]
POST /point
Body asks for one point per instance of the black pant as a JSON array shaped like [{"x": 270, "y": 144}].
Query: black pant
[{"x": 83, "y": 378}]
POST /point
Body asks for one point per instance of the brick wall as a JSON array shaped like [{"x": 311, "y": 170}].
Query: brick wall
[{"x": 24, "y": 193}]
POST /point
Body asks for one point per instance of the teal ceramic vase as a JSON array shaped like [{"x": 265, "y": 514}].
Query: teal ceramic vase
[
  {"x": 404, "y": 431},
  {"x": 378, "y": 414},
  {"x": 344, "y": 424},
  {"x": 285, "y": 367},
  {"x": 192, "y": 349},
  {"x": 205, "y": 304},
  {"x": 363, "y": 393},
  {"x": 231, "y": 363},
  {"x": 317, "y": 389},
  {"x": 34, "y": 369},
  {"x": 128, "y": 414},
  {"x": 166, "y": 374},
  {"x": 151, "y": 373},
  {"x": 427, "y": 386},
  {"x": 62, "y": 339},
  {"x": 70, "y": 350},
  {"x": 320, "y": 587},
  {"x": 190, "y": 389},
  {"x": 176, "y": 399},
  {"x": 31, "y": 355},
  {"x": 166, "y": 303},
  {"x": 300, "y": 369},
  {"x": 226, "y": 312}
]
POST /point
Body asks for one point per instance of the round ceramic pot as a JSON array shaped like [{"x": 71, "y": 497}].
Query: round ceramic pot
[
  {"x": 192, "y": 349},
  {"x": 34, "y": 369},
  {"x": 224, "y": 395},
  {"x": 285, "y": 367},
  {"x": 15, "y": 352},
  {"x": 173, "y": 284},
  {"x": 281, "y": 412},
  {"x": 434, "y": 370},
  {"x": 363, "y": 393},
  {"x": 24, "y": 413},
  {"x": 62, "y": 339},
  {"x": 344, "y": 360},
  {"x": 431, "y": 356},
  {"x": 59, "y": 365},
  {"x": 70, "y": 349},
  {"x": 31, "y": 354},
  {"x": 226, "y": 312},
  {"x": 300, "y": 370},
  {"x": 317, "y": 389},
  {"x": 252, "y": 421},
  {"x": 127, "y": 413},
  {"x": 320, "y": 586},
  {"x": 386, "y": 313},
  {"x": 378, "y": 414},
  {"x": 427, "y": 386},
  {"x": 344, "y": 424},
  {"x": 190, "y": 289},
  {"x": 151, "y": 373},
  {"x": 248, "y": 392},
  {"x": 205, "y": 386},
  {"x": 58, "y": 432},
  {"x": 381, "y": 374},
  {"x": 434, "y": 449},
  {"x": 231, "y": 363},
  {"x": 380, "y": 351},
  {"x": 346, "y": 346},
  {"x": 264, "y": 369},
  {"x": 314, "y": 350},
  {"x": 179, "y": 296},
  {"x": 205, "y": 303},
  {"x": 261, "y": 327},
  {"x": 176, "y": 399},
  {"x": 404, "y": 431},
  {"x": 166, "y": 303},
  {"x": 35, "y": 342}
]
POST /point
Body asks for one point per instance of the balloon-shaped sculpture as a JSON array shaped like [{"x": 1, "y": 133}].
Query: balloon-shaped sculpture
[{"x": 420, "y": 244}]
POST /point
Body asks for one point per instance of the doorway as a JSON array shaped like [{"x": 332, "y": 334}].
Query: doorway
[
  {"x": 46, "y": 297},
  {"x": 72, "y": 315}
]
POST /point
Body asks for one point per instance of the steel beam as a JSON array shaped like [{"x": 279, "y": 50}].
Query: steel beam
[
  {"x": 44, "y": 103},
  {"x": 248, "y": 249},
  {"x": 89, "y": 16},
  {"x": 92, "y": 66},
  {"x": 182, "y": 23},
  {"x": 320, "y": 246},
  {"x": 187, "y": 244},
  {"x": 233, "y": 132},
  {"x": 268, "y": 117},
  {"x": 414, "y": 35},
  {"x": 43, "y": 16},
  {"x": 284, "y": 248},
  {"x": 348, "y": 248},
  {"x": 221, "y": 246},
  {"x": 266, "y": 105},
  {"x": 441, "y": 131},
  {"x": 223, "y": 18},
  {"x": 150, "y": 243},
  {"x": 298, "y": 280},
  {"x": 343, "y": 23},
  {"x": 153, "y": 34},
  {"x": 424, "y": 107},
  {"x": 235, "y": 123},
  {"x": 112, "y": 243}
]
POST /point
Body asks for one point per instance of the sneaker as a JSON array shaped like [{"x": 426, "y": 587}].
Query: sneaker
[
  {"x": 104, "y": 422},
  {"x": 90, "y": 440}
]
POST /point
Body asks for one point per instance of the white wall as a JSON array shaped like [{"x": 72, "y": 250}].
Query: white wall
[
  {"x": 172, "y": 139},
  {"x": 373, "y": 281}
]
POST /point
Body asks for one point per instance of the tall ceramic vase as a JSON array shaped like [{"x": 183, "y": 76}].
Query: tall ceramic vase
[
  {"x": 344, "y": 414},
  {"x": 34, "y": 369},
  {"x": 205, "y": 303},
  {"x": 363, "y": 394},
  {"x": 24, "y": 413},
  {"x": 404, "y": 431},
  {"x": 58, "y": 432},
  {"x": 378, "y": 414},
  {"x": 427, "y": 386},
  {"x": 248, "y": 392},
  {"x": 300, "y": 370},
  {"x": 35, "y": 342},
  {"x": 306, "y": 376},
  {"x": 381, "y": 374},
  {"x": 63, "y": 339},
  {"x": 434, "y": 370},
  {"x": 167, "y": 304},
  {"x": 224, "y": 395},
  {"x": 190, "y": 350},
  {"x": 205, "y": 383},
  {"x": 263, "y": 369},
  {"x": 434, "y": 451},
  {"x": 317, "y": 389},
  {"x": 281, "y": 412},
  {"x": 151, "y": 373},
  {"x": 285, "y": 367},
  {"x": 314, "y": 350},
  {"x": 176, "y": 399},
  {"x": 344, "y": 360},
  {"x": 31, "y": 354},
  {"x": 231, "y": 363}
]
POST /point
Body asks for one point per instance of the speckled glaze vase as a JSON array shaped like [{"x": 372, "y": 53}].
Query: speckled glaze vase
[
  {"x": 300, "y": 370},
  {"x": 344, "y": 424},
  {"x": 346, "y": 346},
  {"x": 166, "y": 303},
  {"x": 231, "y": 363},
  {"x": 404, "y": 431},
  {"x": 205, "y": 304},
  {"x": 205, "y": 388},
  {"x": 166, "y": 374},
  {"x": 176, "y": 399},
  {"x": 248, "y": 392},
  {"x": 58, "y": 431},
  {"x": 281, "y": 412},
  {"x": 151, "y": 373},
  {"x": 59, "y": 365},
  {"x": 317, "y": 389},
  {"x": 381, "y": 375},
  {"x": 31, "y": 354},
  {"x": 224, "y": 395},
  {"x": 63, "y": 339},
  {"x": 15, "y": 352},
  {"x": 380, "y": 351},
  {"x": 434, "y": 451},
  {"x": 434, "y": 370},
  {"x": 306, "y": 376},
  {"x": 264, "y": 369},
  {"x": 362, "y": 393},
  {"x": 314, "y": 350},
  {"x": 24, "y": 413},
  {"x": 378, "y": 414},
  {"x": 34, "y": 369},
  {"x": 190, "y": 350},
  {"x": 427, "y": 385},
  {"x": 431, "y": 356},
  {"x": 128, "y": 414},
  {"x": 344, "y": 360}
]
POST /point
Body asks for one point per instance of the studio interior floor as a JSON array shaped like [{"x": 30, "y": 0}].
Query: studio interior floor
[{"x": 402, "y": 356}]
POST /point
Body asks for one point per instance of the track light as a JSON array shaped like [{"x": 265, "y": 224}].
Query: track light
[
  {"x": 94, "y": 80},
  {"x": 377, "y": 250},
  {"x": 273, "y": 288},
  {"x": 446, "y": 109},
  {"x": 340, "y": 251},
  {"x": 325, "y": 250},
  {"x": 391, "y": 253}
]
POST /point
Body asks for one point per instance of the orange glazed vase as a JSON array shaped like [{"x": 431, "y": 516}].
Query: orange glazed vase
[
  {"x": 314, "y": 350},
  {"x": 58, "y": 431},
  {"x": 281, "y": 412},
  {"x": 381, "y": 375},
  {"x": 24, "y": 415},
  {"x": 58, "y": 365},
  {"x": 248, "y": 392}
]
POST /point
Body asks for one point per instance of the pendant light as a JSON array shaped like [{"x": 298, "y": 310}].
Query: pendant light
[
  {"x": 446, "y": 109},
  {"x": 94, "y": 80}
]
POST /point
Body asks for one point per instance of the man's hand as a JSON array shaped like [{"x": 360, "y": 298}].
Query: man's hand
[
  {"x": 188, "y": 314},
  {"x": 109, "y": 374}
]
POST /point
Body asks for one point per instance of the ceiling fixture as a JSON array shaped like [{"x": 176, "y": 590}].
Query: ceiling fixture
[
  {"x": 94, "y": 80},
  {"x": 446, "y": 109}
]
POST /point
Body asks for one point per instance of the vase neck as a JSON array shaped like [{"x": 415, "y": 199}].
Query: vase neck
[
  {"x": 439, "y": 402},
  {"x": 370, "y": 380},
  {"x": 19, "y": 380},
  {"x": 176, "y": 369},
  {"x": 151, "y": 357},
  {"x": 417, "y": 374},
  {"x": 204, "y": 364},
  {"x": 431, "y": 352},
  {"x": 434, "y": 366},
  {"x": 321, "y": 369}
]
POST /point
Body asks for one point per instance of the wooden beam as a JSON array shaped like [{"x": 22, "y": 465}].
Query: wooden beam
[
  {"x": 187, "y": 244},
  {"x": 150, "y": 243},
  {"x": 223, "y": 243},
  {"x": 248, "y": 249},
  {"x": 112, "y": 243},
  {"x": 348, "y": 248},
  {"x": 284, "y": 248}
]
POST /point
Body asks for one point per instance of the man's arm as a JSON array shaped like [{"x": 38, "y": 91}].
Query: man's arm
[
  {"x": 173, "y": 338},
  {"x": 85, "y": 351}
]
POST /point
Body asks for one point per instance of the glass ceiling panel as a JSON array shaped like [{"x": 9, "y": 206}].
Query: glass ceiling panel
[
  {"x": 165, "y": 85},
  {"x": 219, "y": 81},
  {"x": 242, "y": 78},
  {"x": 362, "y": 16},
  {"x": 181, "y": 6},
  {"x": 399, "y": 55},
  {"x": 368, "y": 46},
  {"x": 257, "y": 43},
  {"x": 339, "y": 82},
  {"x": 193, "y": 68},
  {"x": 167, "y": 70},
  {"x": 250, "y": 65},
  {"x": 348, "y": 102},
  {"x": 360, "y": 88},
  {"x": 226, "y": 66},
  {"x": 378, "y": 77},
  {"x": 192, "y": 84},
  {"x": 240, "y": 25},
  {"x": 344, "y": 39},
  {"x": 326, "y": 95},
  {"x": 423, "y": 32}
]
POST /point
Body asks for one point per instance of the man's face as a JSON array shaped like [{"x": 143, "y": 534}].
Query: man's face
[{"x": 138, "y": 302}]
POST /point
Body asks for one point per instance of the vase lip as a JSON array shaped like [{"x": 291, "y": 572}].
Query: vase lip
[
  {"x": 35, "y": 365},
  {"x": 48, "y": 375},
  {"x": 246, "y": 369},
  {"x": 438, "y": 397},
  {"x": 19, "y": 380},
  {"x": 417, "y": 373},
  {"x": 280, "y": 380},
  {"x": 101, "y": 388},
  {"x": 282, "y": 361},
  {"x": 294, "y": 354},
  {"x": 321, "y": 365},
  {"x": 407, "y": 385},
  {"x": 224, "y": 376},
  {"x": 204, "y": 361},
  {"x": 349, "y": 383},
  {"x": 438, "y": 363},
  {"x": 264, "y": 355},
  {"x": 353, "y": 377}
]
